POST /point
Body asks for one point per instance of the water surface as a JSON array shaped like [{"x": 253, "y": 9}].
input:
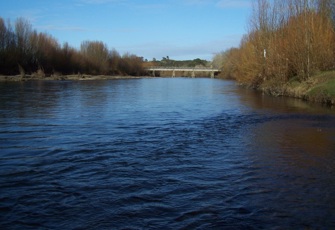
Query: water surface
[{"x": 162, "y": 153}]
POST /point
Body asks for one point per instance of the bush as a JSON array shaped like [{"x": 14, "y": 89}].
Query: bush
[{"x": 287, "y": 39}]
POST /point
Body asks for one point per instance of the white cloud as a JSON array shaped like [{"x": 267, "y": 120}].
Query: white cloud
[{"x": 234, "y": 3}]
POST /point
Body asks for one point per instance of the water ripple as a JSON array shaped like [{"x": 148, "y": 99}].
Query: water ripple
[{"x": 131, "y": 162}]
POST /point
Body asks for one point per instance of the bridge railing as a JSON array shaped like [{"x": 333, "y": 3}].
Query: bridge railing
[{"x": 172, "y": 68}]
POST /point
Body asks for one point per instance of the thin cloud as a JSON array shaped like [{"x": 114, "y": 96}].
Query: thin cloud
[
  {"x": 234, "y": 3},
  {"x": 100, "y": 1},
  {"x": 195, "y": 2},
  {"x": 32, "y": 15},
  {"x": 125, "y": 30},
  {"x": 204, "y": 50},
  {"x": 148, "y": 6},
  {"x": 63, "y": 28}
]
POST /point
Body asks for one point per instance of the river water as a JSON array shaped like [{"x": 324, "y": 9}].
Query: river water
[{"x": 171, "y": 153}]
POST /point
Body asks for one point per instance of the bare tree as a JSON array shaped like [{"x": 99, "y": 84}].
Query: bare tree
[{"x": 96, "y": 53}]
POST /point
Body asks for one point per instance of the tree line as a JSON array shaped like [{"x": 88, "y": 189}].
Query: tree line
[
  {"x": 23, "y": 50},
  {"x": 167, "y": 62},
  {"x": 287, "y": 39}
]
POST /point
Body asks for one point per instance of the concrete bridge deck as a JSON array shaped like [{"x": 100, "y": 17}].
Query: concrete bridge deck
[{"x": 212, "y": 71}]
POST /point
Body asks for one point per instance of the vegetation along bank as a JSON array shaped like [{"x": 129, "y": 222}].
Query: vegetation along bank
[
  {"x": 288, "y": 51},
  {"x": 26, "y": 54},
  {"x": 31, "y": 54}
]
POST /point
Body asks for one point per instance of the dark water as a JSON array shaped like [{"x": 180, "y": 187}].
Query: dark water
[{"x": 162, "y": 154}]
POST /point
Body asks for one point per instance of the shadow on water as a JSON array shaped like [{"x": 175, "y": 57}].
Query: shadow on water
[
  {"x": 260, "y": 101},
  {"x": 293, "y": 144}
]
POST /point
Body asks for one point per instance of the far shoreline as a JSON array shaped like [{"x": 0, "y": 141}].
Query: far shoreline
[
  {"x": 73, "y": 77},
  {"x": 304, "y": 91}
]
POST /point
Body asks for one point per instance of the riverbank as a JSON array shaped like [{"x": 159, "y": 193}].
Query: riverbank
[
  {"x": 319, "y": 88},
  {"x": 74, "y": 77}
]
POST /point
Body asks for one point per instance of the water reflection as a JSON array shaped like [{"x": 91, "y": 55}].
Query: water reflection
[
  {"x": 162, "y": 153},
  {"x": 27, "y": 99},
  {"x": 295, "y": 156},
  {"x": 258, "y": 100},
  {"x": 297, "y": 128}
]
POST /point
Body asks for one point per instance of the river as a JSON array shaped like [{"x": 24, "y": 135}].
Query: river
[{"x": 165, "y": 153}]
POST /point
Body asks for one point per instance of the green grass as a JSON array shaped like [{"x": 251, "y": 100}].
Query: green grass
[
  {"x": 318, "y": 88},
  {"x": 324, "y": 90}
]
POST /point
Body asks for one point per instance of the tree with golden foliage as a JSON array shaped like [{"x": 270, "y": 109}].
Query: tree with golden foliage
[{"x": 287, "y": 39}]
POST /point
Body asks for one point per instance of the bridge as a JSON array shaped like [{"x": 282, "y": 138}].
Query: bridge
[{"x": 173, "y": 70}]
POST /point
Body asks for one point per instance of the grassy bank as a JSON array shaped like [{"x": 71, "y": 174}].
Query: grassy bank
[{"x": 318, "y": 88}]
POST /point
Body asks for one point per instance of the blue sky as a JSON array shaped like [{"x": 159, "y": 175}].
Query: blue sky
[{"x": 180, "y": 29}]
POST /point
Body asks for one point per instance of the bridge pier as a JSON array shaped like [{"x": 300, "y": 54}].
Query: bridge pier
[
  {"x": 193, "y": 74},
  {"x": 173, "y": 73}
]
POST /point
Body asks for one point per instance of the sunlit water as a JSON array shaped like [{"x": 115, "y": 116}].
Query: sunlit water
[{"x": 162, "y": 154}]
